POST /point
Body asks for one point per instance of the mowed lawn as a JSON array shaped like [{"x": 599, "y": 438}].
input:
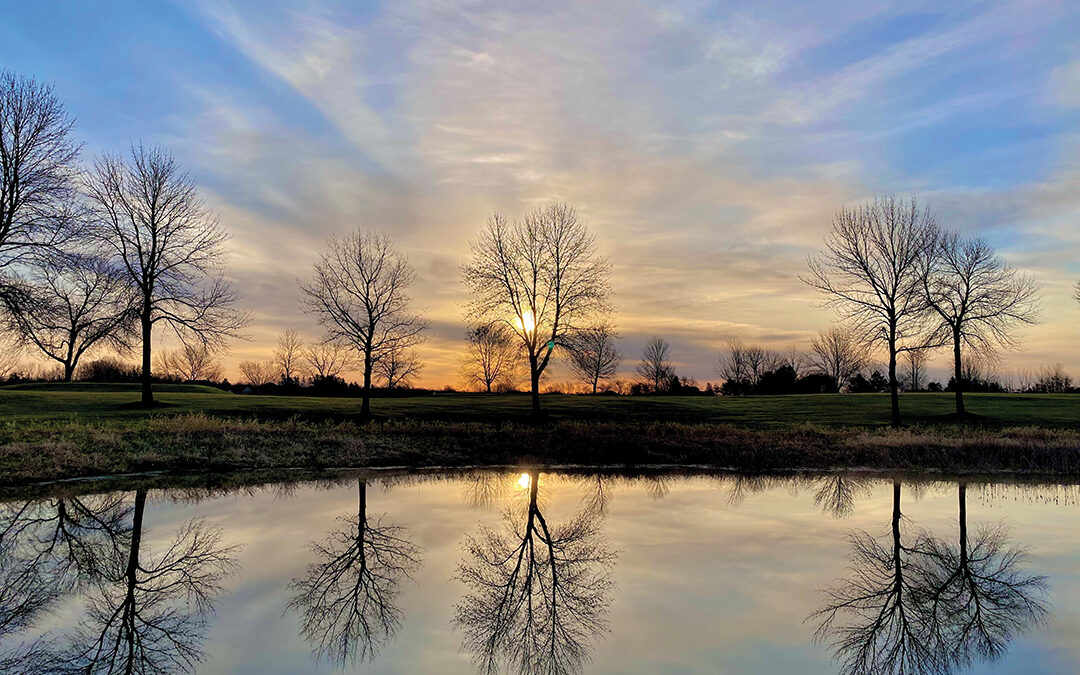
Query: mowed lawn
[{"x": 85, "y": 401}]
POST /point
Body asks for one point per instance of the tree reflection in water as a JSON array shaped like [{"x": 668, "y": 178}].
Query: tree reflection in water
[
  {"x": 835, "y": 494},
  {"x": 980, "y": 596},
  {"x": 143, "y": 613},
  {"x": 537, "y": 594},
  {"x": 347, "y": 599},
  {"x": 916, "y": 604},
  {"x": 147, "y": 612}
]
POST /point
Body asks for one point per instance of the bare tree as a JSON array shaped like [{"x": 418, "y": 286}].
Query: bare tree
[
  {"x": 71, "y": 303},
  {"x": 149, "y": 216},
  {"x": 541, "y": 277},
  {"x": 358, "y": 293},
  {"x": 37, "y": 173},
  {"x": 870, "y": 272},
  {"x": 399, "y": 367},
  {"x": 655, "y": 368},
  {"x": 916, "y": 367},
  {"x": 538, "y": 593},
  {"x": 148, "y": 614},
  {"x": 348, "y": 598},
  {"x": 835, "y": 353},
  {"x": 978, "y": 299},
  {"x": 733, "y": 366},
  {"x": 793, "y": 358},
  {"x": 288, "y": 354},
  {"x": 1052, "y": 379},
  {"x": 492, "y": 357},
  {"x": 746, "y": 364},
  {"x": 593, "y": 354},
  {"x": 982, "y": 597},
  {"x": 191, "y": 363},
  {"x": 878, "y": 620},
  {"x": 259, "y": 373},
  {"x": 328, "y": 358},
  {"x": 11, "y": 351}
]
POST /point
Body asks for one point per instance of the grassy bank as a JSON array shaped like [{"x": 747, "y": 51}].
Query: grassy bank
[
  {"x": 46, "y": 450},
  {"x": 117, "y": 404}
]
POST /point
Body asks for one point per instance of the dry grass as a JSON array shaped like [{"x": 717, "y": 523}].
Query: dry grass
[{"x": 199, "y": 443}]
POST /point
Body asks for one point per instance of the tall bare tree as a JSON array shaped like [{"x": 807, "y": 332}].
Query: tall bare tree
[
  {"x": 289, "y": 354},
  {"x": 837, "y": 354},
  {"x": 71, "y": 303},
  {"x": 328, "y": 358},
  {"x": 38, "y": 170},
  {"x": 492, "y": 358},
  {"x": 541, "y": 277},
  {"x": 655, "y": 367},
  {"x": 358, "y": 293},
  {"x": 978, "y": 299},
  {"x": 593, "y": 354},
  {"x": 870, "y": 272},
  {"x": 170, "y": 245},
  {"x": 399, "y": 367}
]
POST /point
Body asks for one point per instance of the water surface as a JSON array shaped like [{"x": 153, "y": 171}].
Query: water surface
[{"x": 543, "y": 572}]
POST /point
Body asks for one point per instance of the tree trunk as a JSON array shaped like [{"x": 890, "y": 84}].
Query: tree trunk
[
  {"x": 147, "y": 391},
  {"x": 136, "y": 540},
  {"x": 962, "y": 497},
  {"x": 489, "y": 386},
  {"x": 534, "y": 377},
  {"x": 957, "y": 377},
  {"x": 365, "y": 404},
  {"x": 894, "y": 386},
  {"x": 69, "y": 371}
]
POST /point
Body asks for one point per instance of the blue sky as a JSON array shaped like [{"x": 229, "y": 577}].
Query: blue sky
[{"x": 708, "y": 144}]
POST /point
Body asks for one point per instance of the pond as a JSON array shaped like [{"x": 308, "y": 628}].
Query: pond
[{"x": 549, "y": 571}]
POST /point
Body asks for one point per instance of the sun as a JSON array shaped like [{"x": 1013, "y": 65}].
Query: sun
[
  {"x": 524, "y": 481},
  {"x": 526, "y": 322}
]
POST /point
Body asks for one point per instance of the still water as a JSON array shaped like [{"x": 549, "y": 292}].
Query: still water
[{"x": 543, "y": 572}]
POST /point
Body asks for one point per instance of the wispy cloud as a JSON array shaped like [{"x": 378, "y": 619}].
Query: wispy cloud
[{"x": 707, "y": 146}]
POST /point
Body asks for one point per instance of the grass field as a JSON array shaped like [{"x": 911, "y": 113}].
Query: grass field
[{"x": 117, "y": 403}]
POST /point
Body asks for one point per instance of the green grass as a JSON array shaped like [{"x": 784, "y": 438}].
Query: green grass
[
  {"x": 117, "y": 403},
  {"x": 114, "y": 387}
]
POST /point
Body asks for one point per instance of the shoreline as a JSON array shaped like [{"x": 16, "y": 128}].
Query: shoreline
[{"x": 72, "y": 450}]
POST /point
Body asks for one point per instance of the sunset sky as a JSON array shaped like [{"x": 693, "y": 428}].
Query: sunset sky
[{"x": 706, "y": 145}]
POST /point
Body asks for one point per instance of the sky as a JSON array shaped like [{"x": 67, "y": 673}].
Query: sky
[{"x": 707, "y": 145}]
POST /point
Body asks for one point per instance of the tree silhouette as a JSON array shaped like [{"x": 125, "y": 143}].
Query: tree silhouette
[
  {"x": 347, "y": 598},
  {"x": 877, "y": 620},
  {"x": 146, "y": 613},
  {"x": 38, "y": 168},
  {"x": 981, "y": 597},
  {"x": 49, "y": 548},
  {"x": 541, "y": 278},
  {"x": 836, "y": 493},
  {"x": 358, "y": 293},
  {"x": 870, "y": 272},
  {"x": 927, "y": 606},
  {"x": 169, "y": 246},
  {"x": 978, "y": 299},
  {"x": 537, "y": 594}
]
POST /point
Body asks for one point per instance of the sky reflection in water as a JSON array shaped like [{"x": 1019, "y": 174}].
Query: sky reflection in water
[{"x": 544, "y": 572}]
